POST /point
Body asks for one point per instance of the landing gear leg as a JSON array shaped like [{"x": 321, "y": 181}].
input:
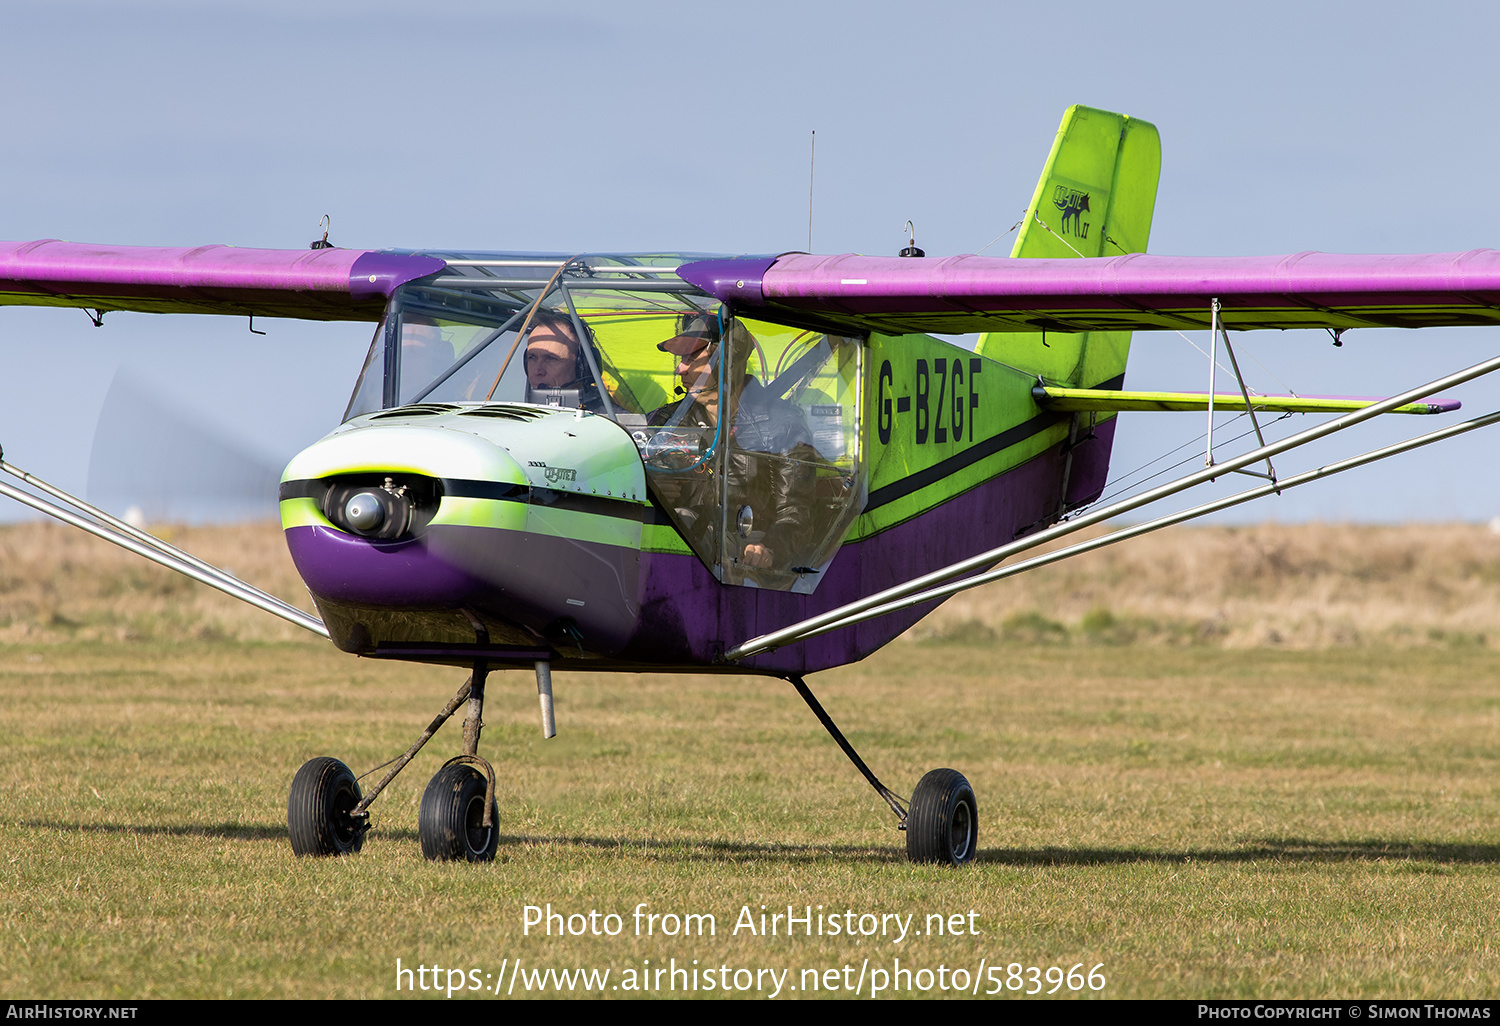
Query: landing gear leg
[
  {"x": 942, "y": 823},
  {"x": 326, "y": 817},
  {"x": 459, "y": 817}
]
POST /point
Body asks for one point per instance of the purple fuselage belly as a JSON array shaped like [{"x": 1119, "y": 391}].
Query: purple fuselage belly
[{"x": 558, "y": 589}]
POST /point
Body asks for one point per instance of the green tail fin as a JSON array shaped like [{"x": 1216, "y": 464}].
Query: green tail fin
[{"x": 1095, "y": 198}]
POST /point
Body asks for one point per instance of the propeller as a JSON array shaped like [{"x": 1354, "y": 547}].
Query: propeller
[{"x": 151, "y": 464}]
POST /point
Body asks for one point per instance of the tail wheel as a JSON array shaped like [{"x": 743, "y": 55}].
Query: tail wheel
[
  {"x": 318, "y": 809},
  {"x": 942, "y": 824},
  {"x": 451, "y": 821}
]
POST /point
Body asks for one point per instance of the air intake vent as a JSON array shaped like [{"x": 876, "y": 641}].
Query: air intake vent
[
  {"x": 416, "y": 410},
  {"x": 506, "y": 412}
]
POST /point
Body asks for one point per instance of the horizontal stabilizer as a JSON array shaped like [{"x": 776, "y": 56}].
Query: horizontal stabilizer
[{"x": 1097, "y": 400}]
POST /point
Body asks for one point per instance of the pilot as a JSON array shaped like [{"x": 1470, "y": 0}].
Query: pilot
[
  {"x": 770, "y": 453},
  {"x": 555, "y": 360}
]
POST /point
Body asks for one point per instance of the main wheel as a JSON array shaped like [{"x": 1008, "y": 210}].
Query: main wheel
[
  {"x": 451, "y": 822},
  {"x": 942, "y": 824},
  {"x": 323, "y": 794}
]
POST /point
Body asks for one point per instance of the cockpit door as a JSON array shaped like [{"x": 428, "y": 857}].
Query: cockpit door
[{"x": 758, "y": 462}]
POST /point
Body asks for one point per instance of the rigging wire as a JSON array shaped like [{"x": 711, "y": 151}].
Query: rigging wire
[
  {"x": 1123, "y": 489},
  {"x": 1002, "y": 235},
  {"x": 1217, "y": 364},
  {"x": 1038, "y": 218},
  {"x": 1244, "y": 349}
]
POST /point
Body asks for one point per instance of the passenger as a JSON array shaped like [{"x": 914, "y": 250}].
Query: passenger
[
  {"x": 770, "y": 456},
  {"x": 555, "y": 360}
]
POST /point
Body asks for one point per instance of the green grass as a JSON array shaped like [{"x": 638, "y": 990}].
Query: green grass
[{"x": 1203, "y": 822}]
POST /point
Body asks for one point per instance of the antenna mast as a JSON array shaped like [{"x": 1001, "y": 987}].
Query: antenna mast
[{"x": 811, "y": 164}]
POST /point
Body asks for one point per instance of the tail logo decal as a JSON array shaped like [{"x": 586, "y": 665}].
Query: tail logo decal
[{"x": 1072, "y": 203}]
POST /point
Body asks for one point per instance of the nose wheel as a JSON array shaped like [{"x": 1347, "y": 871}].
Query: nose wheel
[{"x": 452, "y": 824}]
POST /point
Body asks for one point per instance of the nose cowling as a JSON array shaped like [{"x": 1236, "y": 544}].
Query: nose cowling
[{"x": 414, "y": 530}]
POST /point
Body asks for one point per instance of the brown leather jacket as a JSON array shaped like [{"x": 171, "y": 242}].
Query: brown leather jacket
[{"x": 770, "y": 464}]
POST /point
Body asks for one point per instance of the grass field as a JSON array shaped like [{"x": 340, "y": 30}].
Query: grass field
[{"x": 1199, "y": 819}]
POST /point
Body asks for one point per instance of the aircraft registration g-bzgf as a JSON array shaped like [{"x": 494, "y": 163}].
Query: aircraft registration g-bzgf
[{"x": 754, "y": 465}]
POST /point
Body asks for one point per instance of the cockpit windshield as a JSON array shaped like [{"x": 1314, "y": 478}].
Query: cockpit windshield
[{"x": 749, "y": 430}]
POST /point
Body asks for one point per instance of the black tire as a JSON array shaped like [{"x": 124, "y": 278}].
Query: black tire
[
  {"x": 323, "y": 794},
  {"x": 942, "y": 824},
  {"x": 451, "y": 822}
]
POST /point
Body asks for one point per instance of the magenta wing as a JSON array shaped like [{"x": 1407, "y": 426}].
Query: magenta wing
[
  {"x": 1131, "y": 292},
  {"x": 315, "y": 284}
]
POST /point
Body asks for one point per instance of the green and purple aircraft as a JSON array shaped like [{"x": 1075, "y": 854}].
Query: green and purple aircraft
[{"x": 753, "y": 465}]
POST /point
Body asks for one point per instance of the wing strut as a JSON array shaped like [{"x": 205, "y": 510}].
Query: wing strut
[
  {"x": 1215, "y": 331},
  {"x": 101, "y": 525},
  {"x": 884, "y": 601}
]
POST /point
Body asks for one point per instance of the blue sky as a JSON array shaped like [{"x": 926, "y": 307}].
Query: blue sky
[{"x": 655, "y": 125}]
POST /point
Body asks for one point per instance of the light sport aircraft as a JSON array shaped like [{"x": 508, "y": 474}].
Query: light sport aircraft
[{"x": 750, "y": 465}]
